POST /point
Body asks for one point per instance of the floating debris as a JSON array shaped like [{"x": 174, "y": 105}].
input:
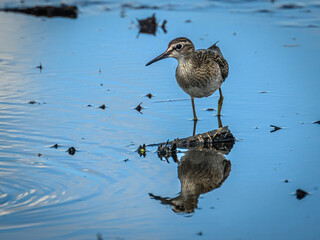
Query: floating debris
[
  {"x": 139, "y": 108},
  {"x": 138, "y": 6},
  {"x": 40, "y": 67},
  {"x": 72, "y": 150},
  {"x": 47, "y": 11},
  {"x": 39, "y": 154},
  {"x": 142, "y": 150},
  {"x": 301, "y": 194},
  {"x": 263, "y": 92},
  {"x": 286, "y": 181},
  {"x": 188, "y": 21},
  {"x": 210, "y": 109},
  {"x": 290, "y": 6},
  {"x": 32, "y": 102},
  {"x": 149, "y": 95},
  {"x": 264, "y": 11},
  {"x": 89, "y": 105},
  {"x": 126, "y": 160},
  {"x": 99, "y": 236},
  {"x": 55, "y": 146},
  {"x": 163, "y": 26},
  {"x": 318, "y": 122},
  {"x": 275, "y": 128},
  {"x": 102, "y": 107},
  {"x": 200, "y": 233},
  {"x": 220, "y": 139},
  {"x": 149, "y": 25},
  {"x": 167, "y": 151}
]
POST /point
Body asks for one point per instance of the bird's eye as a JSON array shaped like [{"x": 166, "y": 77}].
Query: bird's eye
[{"x": 179, "y": 46}]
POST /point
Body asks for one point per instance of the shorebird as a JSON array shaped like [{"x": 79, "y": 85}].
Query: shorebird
[{"x": 200, "y": 72}]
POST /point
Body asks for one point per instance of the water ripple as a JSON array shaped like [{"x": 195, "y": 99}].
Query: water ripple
[{"x": 37, "y": 187}]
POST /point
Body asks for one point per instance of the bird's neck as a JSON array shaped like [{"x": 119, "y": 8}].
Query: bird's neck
[{"x": 184, "y": 59}]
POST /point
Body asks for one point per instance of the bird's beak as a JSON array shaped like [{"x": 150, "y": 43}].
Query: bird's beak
[{"x": 160, "y": 57}]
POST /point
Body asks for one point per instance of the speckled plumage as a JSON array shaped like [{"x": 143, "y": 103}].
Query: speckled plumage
[{"x": 199, "y": 72}]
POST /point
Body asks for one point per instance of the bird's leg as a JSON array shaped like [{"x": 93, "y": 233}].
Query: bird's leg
[
  {"x": 220, "y": 102},
  {"x": 194, "y": 127},
  {"x": 219, "y": 121},
  {"x": 194, "y": 110}
]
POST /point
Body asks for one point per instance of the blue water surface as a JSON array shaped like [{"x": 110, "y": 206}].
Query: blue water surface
[{"x": 99, "y": 58}]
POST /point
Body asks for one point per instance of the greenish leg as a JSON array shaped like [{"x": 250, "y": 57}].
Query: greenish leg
[
  {"x": 219, "y": 122},
  {"x": 194, "y": 127},
  {"x": 194, "y": 110},
  {"x": 220, "y": 102}
]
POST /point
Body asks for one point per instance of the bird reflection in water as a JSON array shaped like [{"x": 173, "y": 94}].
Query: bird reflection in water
[{"x": 200, "y": 170}]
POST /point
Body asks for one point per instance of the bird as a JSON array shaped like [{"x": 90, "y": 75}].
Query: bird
[{"x": 199, "y": 72}]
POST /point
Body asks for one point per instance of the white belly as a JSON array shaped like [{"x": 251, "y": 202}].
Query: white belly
[{"x": 200, "y": 92}]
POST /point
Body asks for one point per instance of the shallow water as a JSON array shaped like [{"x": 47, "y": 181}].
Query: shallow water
[{"x": 274, "y": 80}]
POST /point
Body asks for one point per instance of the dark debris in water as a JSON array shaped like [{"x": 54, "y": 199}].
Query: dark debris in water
[
  {"x": 103, "y": 107},
  {"x": 163, "y": 26},
  {"x": 210, "y": 109},
  {"x": 72, "y": 150},
  {"x": 149, "y": 25},
  {"x": 142, "y": 150},
  {"x": 166, "y": 151},
  {"x": 55, "y": 146},
  {"x": 276, "y": 128},
  {"x": 318, "y": 122},
  {"x": 40, "y": 67},
  {"x": 99, "y": 236},
  {"x": 301, "y": 194},
  {"x": 89, "y": 105},
  {"x": 264, "y": 11},
  {"x": 139, "y": 108},
  {"x": 69, "y": 11},
  {"x": 149, "y": 95},
  {"x": 286, "y": 181},
  {"x": 39, "y": 154},
  {"x": 126, "y": 160},
  {"x": 290, "y": 6},
  {"x": 220, "y": 139},
  {"x": 34, "y": 102},
  {"x": 200, "y": 233},
  {"x": 139, "y": 6},
  {"x": 188, "y": 21}
]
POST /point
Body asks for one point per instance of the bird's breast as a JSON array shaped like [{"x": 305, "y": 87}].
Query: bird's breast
[{"x": 198, "y": 81}]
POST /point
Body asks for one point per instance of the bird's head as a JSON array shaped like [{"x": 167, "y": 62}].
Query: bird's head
[{"x": 178, "y": 48}]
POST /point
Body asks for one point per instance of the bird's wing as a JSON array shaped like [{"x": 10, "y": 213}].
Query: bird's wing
[{"x": 218, "y": 58}]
